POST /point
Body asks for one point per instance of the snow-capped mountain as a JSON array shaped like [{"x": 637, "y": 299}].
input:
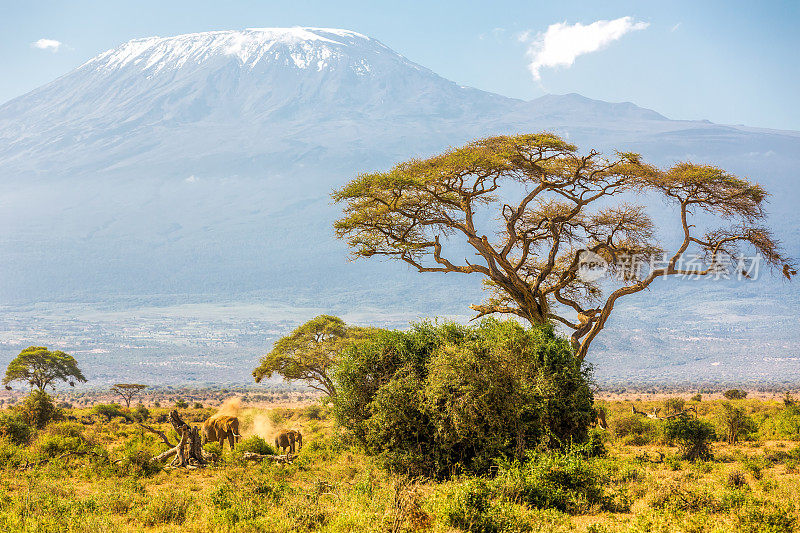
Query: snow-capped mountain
[
  {"x": 245, "y": 92},
  {"x": 199, "y": 167}
]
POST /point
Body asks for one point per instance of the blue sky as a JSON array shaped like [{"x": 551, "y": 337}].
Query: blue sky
[{"x": 731, "y": 62}]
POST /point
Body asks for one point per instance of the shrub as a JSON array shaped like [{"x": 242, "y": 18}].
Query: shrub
[
  {"x": 635, "y": 430},
  {"x": 734, "y": 422},
  {"x": 197, "y": 405},
  {"x": 109, "y": 410},
  {"x": 136, "y": 460},
  {"x": 166, "y": 508},
  {"x": 674, "y": 405},
  {"x": 14, "y": 427},
  {"x": 783, "y": 425},
  {"x": 38, "y": 409},
  {"x": 687, "y": 497},
  {"x": 594, "y": 445},
  {"x": 277, "y": 416},
  {"x": 735, "y": 394},
  {"x": 140, "y": 413},
  {"x": 181, "y": 404},
  {"x": 10, "y": 454},
  {"x": 697, "y": 398},
  {"x": 254, "y": 444},
  {"x": 765, "y": 518},
  {"x": 563, "y": 481},
  {"x": 693, "y": 436},
  {"x": 465, "y": 506},
  {"x": 213, "y": 447},
  {"x": 737, "y": 479},
  {"x": 449, "y": 397},
  {"x": 314, "y": 412}
]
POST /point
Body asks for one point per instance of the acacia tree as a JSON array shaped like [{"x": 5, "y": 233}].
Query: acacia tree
[
  {"x": 127, "y": 391},
  {"x": 537, "y": 262},
  {"x": 308, "y": 353},
  {"x": 40, "y": 368}
]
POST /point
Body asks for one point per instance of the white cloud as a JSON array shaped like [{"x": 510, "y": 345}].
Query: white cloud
[
  {"x": 47, "y": 44},
  {"x": 497, "y": 34},
  {"x": 562, "y": 43}
]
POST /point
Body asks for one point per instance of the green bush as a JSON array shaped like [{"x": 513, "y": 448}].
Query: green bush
[
  {"x": 594, "y": 445},
  {"x": 14, "y": 427},
  {"x": 735, "y": 394},
  {"x": 213, "y": 447},
  {"x": 255, "y": 444},
  {"x": 465, "y": 506},
  {"x": 39, "y": 409},
  {"x": 734, "y": 422},
  {"x": 765, "y": 518},
  {"x": 693, "y": 436},
  {"x": 697, "y": 398},
  {"x": 140, "y": 413},
  {"x": 445, "y": 398},
  {"x": 166, "y": 508},
  {"x": 563, "y": 481},
  {"x": 783, "y": 425},
  {"x": 136, "y": 460},
  {"x": 635, "y": 430},
  {"x": 10, "y": 454},
  {"x": 61, "y": 438},
  {"x": 673, "y": 405},
  {"x": 181, "y": 404},
  {"x": 109, "y": 410},
  {"x": 314, "y": 412}
]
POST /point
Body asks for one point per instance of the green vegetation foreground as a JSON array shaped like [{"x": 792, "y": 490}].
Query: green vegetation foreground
[{"x": 641, "y": 484}]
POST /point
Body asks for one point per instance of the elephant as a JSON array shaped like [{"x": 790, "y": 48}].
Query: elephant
[
  {"x": 287, "y": 439},
  {"x": 219, "y": 427}
]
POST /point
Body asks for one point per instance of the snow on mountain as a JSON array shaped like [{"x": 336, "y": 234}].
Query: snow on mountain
[
  {"x": 222, "y": 92},
  {"x": 198, "y": 168}
]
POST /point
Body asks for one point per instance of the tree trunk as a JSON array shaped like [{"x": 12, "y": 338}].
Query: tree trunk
[
  {"x": 190, "y": 448},
  {"x": 189, "y": 451}
]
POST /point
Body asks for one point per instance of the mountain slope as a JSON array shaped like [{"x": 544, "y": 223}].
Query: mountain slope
[{"x": 197, "y": 168}]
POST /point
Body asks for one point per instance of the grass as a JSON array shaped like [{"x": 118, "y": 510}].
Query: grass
[{"x": 752, "y": 486}]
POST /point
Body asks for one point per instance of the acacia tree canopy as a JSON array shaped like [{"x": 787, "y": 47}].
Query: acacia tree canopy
[
  {"x": 566, "y": 216},
  {"x": 127, "y": 391},
  {"x": 40, "y": 368},
  {"x": 308, "y": 353}
]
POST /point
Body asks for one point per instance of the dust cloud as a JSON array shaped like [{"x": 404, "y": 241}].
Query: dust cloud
[{"x": 252, "y": 421}]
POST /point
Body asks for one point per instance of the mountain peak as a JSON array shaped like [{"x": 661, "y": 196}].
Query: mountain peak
[{"x": 299, "y": 47}]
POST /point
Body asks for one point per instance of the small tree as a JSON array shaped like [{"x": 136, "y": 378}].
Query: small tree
[
  {"x": 735, "y": 394},
  {"x": 108, "y": 410},
  {"x": 127, "y": 391},
  {"x": 40, "y": 368},
  {"x": 673, "y": 405},
  {"x": 734, "y": 421},
  {"x": 693, "y": 436},
  {"x": 39, "y": 409},
  {"x": 309, "y": 352}
]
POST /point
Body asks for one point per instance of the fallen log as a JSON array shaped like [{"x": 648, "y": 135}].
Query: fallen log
[
  {"x": 654, "y": 414},
  {"x": 281, "y": 459},
  {"x": 645, "y": 456}
]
